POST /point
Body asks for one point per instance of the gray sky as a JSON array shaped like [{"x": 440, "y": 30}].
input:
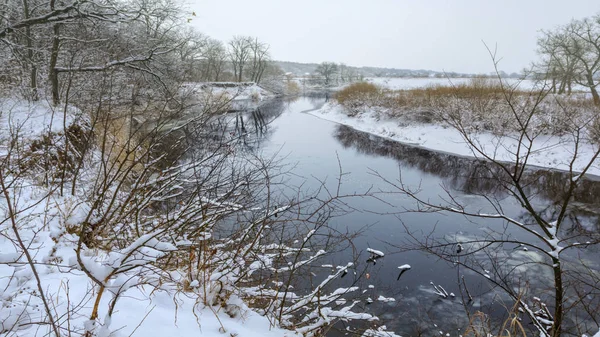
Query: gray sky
[{"x": 415, "y": 34}]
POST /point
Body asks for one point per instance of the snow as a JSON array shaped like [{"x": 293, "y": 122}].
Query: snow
[
  {"x": 161, "y": 319},
  {"x": 235, "y": 90},
  {"x": 385, "y": 299},
  {"x": 309, "y": 235},
  {"x": 158, "y": 312},
  {"x": 235, "y": 96},
  {"x": 551, "y": 152},
  {"x": 375, "y": 252},
  {"x": 145, "y": 309},
  {"x": 32, "y": 119},
  {"x": 379, "y": 332},
  {"x": 404, "y": 267},
  {"x": 440, "y": 291}
]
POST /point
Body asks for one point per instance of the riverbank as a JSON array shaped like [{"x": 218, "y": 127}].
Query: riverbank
[
  {"x": 550, "y": 152},
  {"x": 49, "y": 273}
]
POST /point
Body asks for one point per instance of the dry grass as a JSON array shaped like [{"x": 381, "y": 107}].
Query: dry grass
[
  {"x": 480, "y": 325},
  {"x": 116, "y": 139},
  {"x": 482, "y": 104},
  {"x": 477, "y": 87},
  {"x": 360, "y": 96},
  {"x": 292, "y": 88},
  {"x": 124, "y": 142},
  {"x": 48, "y": 156},
  {"x": 360, "y": 90}
]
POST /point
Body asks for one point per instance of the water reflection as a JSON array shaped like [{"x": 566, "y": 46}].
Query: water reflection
[
  {"x": 251, "y": 127},
  {"x": 477, "y": 177},
  {"x": 466, "y": 176}
]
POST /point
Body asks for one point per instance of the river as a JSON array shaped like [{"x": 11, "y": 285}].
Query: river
[{"x": 319, "y": 149}]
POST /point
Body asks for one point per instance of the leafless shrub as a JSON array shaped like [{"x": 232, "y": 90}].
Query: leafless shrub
[{"x": 542, "y": 285}]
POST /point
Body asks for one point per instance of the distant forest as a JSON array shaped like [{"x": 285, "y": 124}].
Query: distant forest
[{"x": 299, "y": 69}]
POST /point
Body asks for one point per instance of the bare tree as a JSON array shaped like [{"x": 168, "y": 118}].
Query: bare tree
[
  {"x": 584, "y": 45},
  {"x": 344, "y": 71},
  {"x": 65, "y": 43},
  {"x": 146, "y": 204},
  {"x": 240, "y": 51},
  {"x": 573, "y": 51},
  {"x": 193, "y": 50},
  {"x": 30, "y": 60},
  {"x": 36, "y": 22},
  {"x": 549, "y": 231},
  {"x": 558, "y": 65},
  {"x": 328, "y": 70},
  {"x": 215, "y": 60},
  {"x": 259, "y": 59}
]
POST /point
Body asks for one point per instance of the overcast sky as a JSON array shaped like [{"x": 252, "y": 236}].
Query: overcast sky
[{"x": 414, "y": 34}]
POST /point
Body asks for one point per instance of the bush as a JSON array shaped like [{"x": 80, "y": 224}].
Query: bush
[
  {"x": 292, "y": 88},
  {"x": 360, "y": 89},
  {"x": 359, "y": 95},
  {"x": 49, "y": 157}
]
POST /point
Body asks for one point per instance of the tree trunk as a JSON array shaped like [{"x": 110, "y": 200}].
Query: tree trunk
[
  {"x": 30, "y": 60},
  {"x": 595, "y": 96},
  {"x": 558, "y": 300},
  {"x": 53, "y": 74},
  {"x": 207, "y": 70},
  {"x": 563, "y": 84},
  {"x": 590, "y": 80}
]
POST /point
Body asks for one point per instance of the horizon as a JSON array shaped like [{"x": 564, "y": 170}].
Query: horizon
[{"x": 410, "y": 69}]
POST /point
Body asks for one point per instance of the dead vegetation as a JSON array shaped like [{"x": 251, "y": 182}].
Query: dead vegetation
[{"x": 485, "y": 105}]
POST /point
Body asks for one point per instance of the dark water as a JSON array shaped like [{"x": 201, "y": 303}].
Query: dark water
[{"x": 319, "y": 149}]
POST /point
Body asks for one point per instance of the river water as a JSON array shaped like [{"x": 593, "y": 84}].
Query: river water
[{"x": 320, "y": 149}]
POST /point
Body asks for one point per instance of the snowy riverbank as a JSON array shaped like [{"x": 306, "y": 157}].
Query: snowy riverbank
[
  {"x": 550, "y": 152},
  {"x": 44, "y": 221}
]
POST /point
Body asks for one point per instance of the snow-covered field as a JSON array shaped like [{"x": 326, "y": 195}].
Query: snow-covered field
[{"x": 548, "y": 151}]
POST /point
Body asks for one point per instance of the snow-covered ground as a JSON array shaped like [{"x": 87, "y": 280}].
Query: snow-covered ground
[
  {"x": 238, "y": 96},
  {"x": 32, "y": 119},
  {"x": 142, "y": 310},
  {"x": 42, "y": 217},
  {"x": 548, "y": 151},
  {"x": 235, "y": 90}
]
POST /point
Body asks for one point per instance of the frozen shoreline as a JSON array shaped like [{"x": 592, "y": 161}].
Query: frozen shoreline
[{"x": 549, "y": 152}]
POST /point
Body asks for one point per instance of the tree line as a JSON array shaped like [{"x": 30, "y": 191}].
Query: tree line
[
  {"x": 49, "y": 46},
  {"x": 570, "y": 55}
]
